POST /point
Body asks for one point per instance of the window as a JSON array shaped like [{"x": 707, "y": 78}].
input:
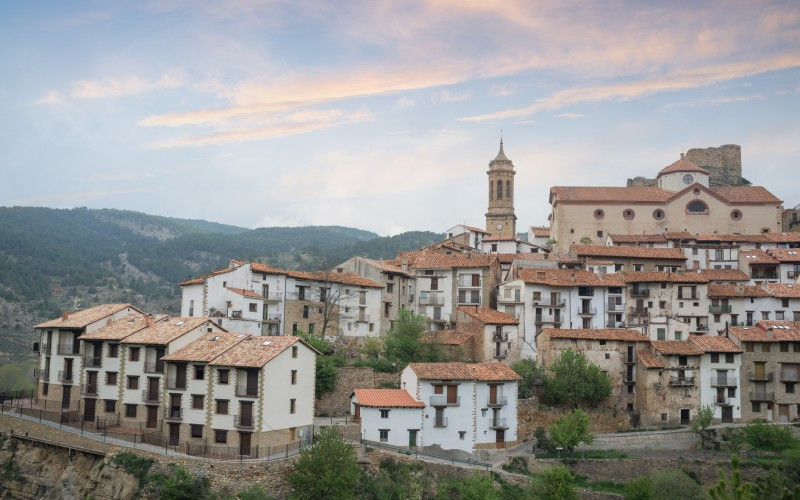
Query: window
[
  {"x": 756, "y": 407},
  {"x": 736, "y": 214},
  {"x": 434, "y": 283},
  {"x": 294, "y": 376},
  {"x": 111, "y": 405},
  {"x": 697, "y": 207},
  {"x": 729, "y": 358},
  {"x": 45, "y": 389},
  {"x": 390, "y": 288},
  {"x": 384, "y": 433},
  {"x": 199, "y": 372},
  {"x": 749, "y": 347},
  {"x": 628, "y": 214},
  {"x": 197, "y": 401},
  {"x": 784, "y": 346},
  {"x": 688, "y": 179},
  {"x": 294, "y": 351},
  {"x": 292, "y": 405},
  {"x": 789, "y": 388},
  {"x": 253, "y": 307},
  {"x": 220, "y": 436},
  {"x": 499, "y": 190},
  {"x": 113, "y": 350},
  {"x": 599, "y": 214},
  {"x": 130, "y": 411},
  {"x": 663, "y": 417},
  {"x": 305, "y": 312},
  {"x": 133, "y": 382},
  {"x": 384, "y": 413},
  {"x": 731, "y": 392},
  {"x": 764, "y": 347},
  {"x": 294, "y": 327},
  {"x": 715, "y": 357},
  {"x": 223, "y": 376},
  {"x": 462, "y": 435},
  {"x": 197, "y": 430},
  {"x": 661, "y": 333},
  {"x": 222, "y": 406},
  {"x": 602, "y": 342},
  {"x": 638, "y": 267},
  {"x": 111, "y": 378},
  {"x": 310, "y": 328},
  {"x": 134, "y": 353},
  {"x": 658, "y": 214},
  {"x": 683, "y": 360},
  {"x": 599, "y": 234}
]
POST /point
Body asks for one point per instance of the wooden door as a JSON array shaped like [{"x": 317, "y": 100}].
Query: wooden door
[
  {"x": 452, "y": 394},
  {"x": 152, "y": 417},
  {"x": 91, "y": 382},
  {"x": 252, "y": 382},
  {"x": 152, "y": 388},
  {"x": 66, "y": 397},
  {"x": 500, "y": 438},
  {"x": 761, "y": 370},
  {"x": 492, "y": 394},
  {"x": 174, "y": 434},
  {"x": 783, "y": 413},
  {"x": 412, "y": 439},
  {"x": 180, "y": 376},
  {"x": 159, "y": 363},
  {"x": 358, "y": 411},
  {"x": 244, "y": 443},
  {"x": 246, "y": 414},
  {"x": 175, "y": 405},
  {"x": 727, "y": 415},
  {"x": 89, "y": 409}
]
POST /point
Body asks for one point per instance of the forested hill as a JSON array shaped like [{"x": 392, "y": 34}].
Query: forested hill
[{"x": 68, "y": 259}]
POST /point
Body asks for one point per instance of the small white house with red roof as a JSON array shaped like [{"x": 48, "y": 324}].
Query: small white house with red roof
[{"x": 388, "y": 416}]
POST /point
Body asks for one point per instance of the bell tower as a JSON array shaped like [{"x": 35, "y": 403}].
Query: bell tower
[{"x": 500, "y": 219}]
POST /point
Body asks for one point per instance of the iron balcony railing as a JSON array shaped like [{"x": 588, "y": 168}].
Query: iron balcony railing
[
  {"x": 150, "y": 396},
  {"x": 501, "y": 354},
  {"x": 92, "y": 361},
  {"x": 243, "y": 391},
  {"x": 273, "y": 297},
  {"x": 587, "y": 311},
  {"x": 472, "y": 301},
  {"x": 762, "y": 396},
  {"x": 432, "y": 300},
  {"x": 172, "y": 384},
  {"x": 760, "y": 377},
  {"x": 362, "y": 317},
  {"x": 500, "y": 337},
  {"x": 514, "y": 299},
  {"x": 638, "y": 311},
  {"x": 440, "y": 422},
  {"x": 549, "y": 302},
  {"x": 464, "y": 282},
  {"x": 89, "y": 389},
  {"x": 724, "y": 382},
  {"x": 154, "y": 366},
  {"x": 792, "y": 274},
  {"x": 243, "y": 421},
  {"x": 69, "y": 349},
  {"x": 720, "y": 309},
  {"x": 640, "y": 292},
  {"x": 442, "y": 400},
  {"x": 681, "y": 381},
  {"x": 499, "y": 423},
  {"x": 722, "y": 400},
  {"x": 616, "y": 307},
  {"x": 65, "y": 376},
  {"x": 173, "y": 413},
  {"x": 497, "y": 401},
  {"x": 47, "y": 348},
  {"x": 273, "y": 318}
]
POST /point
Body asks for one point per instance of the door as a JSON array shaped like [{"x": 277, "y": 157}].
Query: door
[
  {"x": 152, "y": 389},
  {"x": 452, "y": 394},
  {"x": 66, "y": 397},
  {"x": 152, "y": 417},
  {"x": 252, "y": 382},
  {"x": 159, "y": 363},
  {"x": 783, "y": 413},
  {"x": 685, "y": 417},
  {"x": 244, "y": 443},
  {"x": 91, "y": 382},
  {"x": 500, "y": 438},
  {"x": 412, "y": 439},
  {"x": 175, "y": 406},
  {"x": 180, "y": 376},
  {"x": 89, "y": 409},
  {"x": 761, "y": 370},
  {"x": 358, "y": 412},
  {"x": 246, "y": 414},
  {"x": 727, "y": 414},
  {"x": 174, "y": 434},
  {"x": 492, "y": 394}
]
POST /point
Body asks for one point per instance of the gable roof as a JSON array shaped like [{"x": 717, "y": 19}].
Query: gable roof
[
  {"x": 675, "y": 348},
  {"x": 650, "y": 360},
  {"x": 85, "y": 317},
  {"x": 118, "y": 329},
  {"x": 540, "y": 231},
  {"x": 250, "y": 294},
  {"x": 723, "y": 291},
  {"x": 627, "y": 252},
  {"x": 768, "y": 331},
  {"x": 488, "y": 316},
  {"x": 389, "y": 268},
  {"x": 662, "y": 277},
  {"x": 638, "y": 238},
  {"x": 566, "y": 277},
  {"x": 207, "y": 347},
  {"x": 484, "y": 372},
  {"x": 201, "y": 279},
  {"x": 655, "y": 195},
  {"x": 682, "y": 165},
  {"x": 756, "y": 256},
  {"x": 785, "y": 254},
  {"x": 618, "y": 334},
  {"x": 708, "y": 343},
  {"x": 386, "y": 398},
  {"x": 725, "y": 275},
  {"x": 164, "y": 332},
  {"x": 746, "y": 194},
  {"x": 791, "y": 237},
  {"x": 448, "y": 261},
  {"x": 782, "y": 290},
  {"x": 256, "y": 351}
]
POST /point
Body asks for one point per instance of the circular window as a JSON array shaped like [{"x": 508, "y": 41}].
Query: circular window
[
  {"x": 736, "y": 214},
  {"x": 628, "y": 214},
  {"x": 658, "y": 214},
  {"x": 599, "y": 214},
  {"x": 696, "y": 191},
  {"x": 697, "y": 207},
  {"x": 688, "y": 178}
]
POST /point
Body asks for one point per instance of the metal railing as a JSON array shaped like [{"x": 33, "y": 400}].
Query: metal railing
[
  {"x": 499, "y": 423},
  {"x": 681, "y": 381},
  {"x": 432, "y": 300},
  {"x": 549, "y": 302},
  {"x": 42, "y": 374},
  {"x": 638, "y": 311},
  {"x": 514, "y": 299},
  {"x": 699, "y": 328},
  {"x": 470, "y": 301},
  {"x": 172, "y": 384},
  {"x": 443, "y": 401},
  {"x": 723, "y": 382},
  {"x": 92, "y": 362},
  {"x": 173, "y": 413},
  {"x": 47, "y": 348},
  {"x": 362, "y": 318},
  {"x": 150, "y": 396},
  {"x": 243, "y": 421},
  {"x": 440, "y": 422},
  {"x": 501, "y": 337},
  {"x": 587, "y": 311},
  {"x": 762, "y": 396},
  {"x": 273, "y": 318},
  {"x": 501, "y": 354},
  {"x": 497, "y": 401},
  {"x": 243, "y": 391},
  {"x": 463, "y": 282},
  {"x": 720, "y": 309},
  {"x": 68, "y": 349},
  {"x": 66, "y": 376},
  {"x": 154, "y": 366},
  {"x": 273, "y": 297},
  {"x": 722, "y": 400},
  {"x": 89, "y": 389},
  {"x": 616, "y": 307},
  {"x": 763, "y": 377},
  {"x": 640, "y": 292}
]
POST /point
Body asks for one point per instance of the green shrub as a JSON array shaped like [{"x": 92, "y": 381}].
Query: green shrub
[
  {"x": 557, "y": 483},
  {"x": 639, "y": 489},
  {"x": 543, "y": 441},
  {"x": 254, "y": 492},
  {"x": 326, "y": 470},
  {"x": 180, "y": 485},
  {"x": 763, "y": 436},
  {"x": 133, "y": 464},
  {"x": 531, "y": 375},
  {"x": 325, "y": 376},
  {"x": 478, "y": 487}
]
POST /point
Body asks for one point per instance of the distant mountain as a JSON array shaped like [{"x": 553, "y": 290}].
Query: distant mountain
[{"x": 54, "y": 259}]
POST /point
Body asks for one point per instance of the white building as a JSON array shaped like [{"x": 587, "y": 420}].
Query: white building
[
  {"x": 508, "y": 245},
  {"x": 388, "y": 416},
  {"x": 720, "y": 378}
]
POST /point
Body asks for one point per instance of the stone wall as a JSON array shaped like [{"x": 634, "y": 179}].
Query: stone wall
[
  {"x": 727, "y": 157},
  {"x": 348, "y": 379},
  {"x": 530, "y": 416}
]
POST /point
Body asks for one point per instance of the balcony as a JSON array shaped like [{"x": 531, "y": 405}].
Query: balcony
[
  {"x": 499, "y": 423},
  {"x": 681, "y": 381},
  {"x": 273, "y": 297},
  {"x": 515, "y": 299},
  {"x": 173, "y": 413},
  {"x": 172, "y": 384},
  {"x": 630, "y": 360},
  {"x": 66, "y": 376},
  {"x": 638, "y": 311},
  {"x": 243, "y": 421},
  {"x": 442, "y": 400},
  {"x": 587, "y": 311},
  {"x": 150, "y": 396},
  {"x": 497, "y": 401},
  {"x": 363, "y": 317},
  {"x": 760, "y": 377},
  {"x": 500, "y": 337},
  {"x": 89, "y": 389},
  {"x": 469, "y": 301},
  {"x": 68, "y": 349},
  {"x": 722, "y": 400},
  {"x": 243, "y": 391},
  {"x": 616, "y": 308},
  {"x": 440, "y": 318},
  {"x": 640, "y": 293},
  {"x": 720, "y": 309},
  {"x": 432, "y": 300},
  {"x": 92, "y": 362},
  {"x": 762, "y": 396},
  {"x": 790, "y": 377},
  {"x": 501, "y": 354},
  {"x": 154, "y": 366},
  {"x": 440, "y": 422},
  {"x": 47, "y": 349},
  {"x": 42, "y": 374},
  {"x": 272, "y": 318},
  {"x": 549, "y": 302},
  {"x": 466, "y": 282},
  {"x": 615, "y": 324},
  {"x": 723, "y": 382}
]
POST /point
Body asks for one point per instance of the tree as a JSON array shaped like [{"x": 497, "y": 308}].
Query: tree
[
  {"x": 701, "y": 422},
  {"x": 575, "y": 382},
  {"x": 404, "y": 340},
  {"x": 330, "y": 294},
  {"x": 571, "y": 430},
  {"x": 556, "y": 483},
  {"x": 731, "y": 487},
  {"x": 478, "y": 487},
  {"x": 326, "y": 470},
  {"x": 664, "y": 485},
  {"x": 531, "y": 375},
  {"x": 325, "y": 376}
]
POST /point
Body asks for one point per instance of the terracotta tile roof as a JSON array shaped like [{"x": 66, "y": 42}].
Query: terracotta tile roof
[
  {"x": 250, "y": 294},
  {"x": 679, "y": 235},
  {"x": 386, "y": 398},
  {"x": 724, "y": 291},
  {"x": 201, "y": 279},
  {"x": 682, "y": 165},
  {"x": 334, "y": 277},
  {"x": 714, "y": 344},
  {"x": 567, "y": 277},
  {"x": 731, "y": 238},
  {"x": 260, "y": 268},
  {"x": 614, "y": 194},
  {"x": 488, "y": 316},
  {"x": 562, "y": 258},
  {"x": 446, "y": 337},
  {"x": 757, "y": 256},
  {"x": 484, "y": 372},
  {"x": 627, "y": 252},
  {"x": 662, "y": 277},
  {"x": 793, "y": 237},
  {"x": 650, "y": 360},
  {"x": 782, "y": 290},
  {"x": 85, "y": 317},
  {"x": 445, "y": 261},
  {"x": 746, "y": 194},
  {"x": 676, "y": 347},
  {"x": 164, "y": 332},
  {"x": 768, "y": 331},
  {"x": 540, "y": 231},
  {"x": 119, "y": 329},
  {"x": 207, "y": 347},
  {"x": 255, "y": 351},
  {"x": 389, "y": 268},
  {"x": 618, "y": 334},
  {"x": 638, "y": 238},
  {"x": 725, "y": 275},
  {"x": 497, "y": 238},
  {"x": 476, "y": 229},
  {"x": 785, "y": 254}
]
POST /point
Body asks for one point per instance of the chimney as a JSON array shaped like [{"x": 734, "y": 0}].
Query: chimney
[
  {"x": 64, "y": 315},
  {"x": 681, "y": 156},
  {"x": 150, "y": 321},
  {"x": 770, "y": 333}
]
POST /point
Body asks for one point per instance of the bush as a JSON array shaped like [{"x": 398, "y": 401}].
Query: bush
[
  {"x": 326, "y": 470},
  {"x": 557, "y": 483},
  {"x": 326, "y": 375},
  {"x": 664, "y": 485},
  {"x": 639, "y": 489},
  {"x": 571, "y": 430},
  {"x": 543, "y": 441},
  {"x": 254, "y": 492},
  {"x": 478, "y": 487},
  {"x": 576, "y": 382},
  {"x": 133, "y": 464},
  {"x": 531, "y": 375},
  {"x": 763, "y": 436},
  {"x": 180, "y": 485}
]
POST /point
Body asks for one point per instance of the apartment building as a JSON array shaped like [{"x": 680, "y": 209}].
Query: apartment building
[
  {"x": 637, "y": 240},
  {"x": 759, "y": 265},
  {"x": 744, "y": 305},
  {"x": 399, "y": 286},
  {"x": 611, "y": 350},
  {"x": 770, "y": 370},
  {"x": 495, "y": 335},
  {"x": 629, "y": 258},
  {"x": 60, "y": 359},
  {"x": 667, "y": 383},
  {"x": 388, "y": 416},
  {"x": 719, "y": 377},
  {"x": 555, "y": 298},
  {"x": 467, "y": 236},
  {"x": 539, "y": 236},
  {"x": 493, "y": 244},
  {"x": 788, "y": 263}
]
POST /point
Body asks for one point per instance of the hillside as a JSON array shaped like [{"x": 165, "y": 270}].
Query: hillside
[{"x": 51, "y": 259}]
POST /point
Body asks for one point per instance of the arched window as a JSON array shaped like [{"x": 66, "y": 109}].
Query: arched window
[
  {"x": 491, "y": 191},
  {"x": 508, "y": 189},
  {"x": 697, "y": 207},
  {"x": 499, "y": 190},
  {"x": 658, "y": 214}
]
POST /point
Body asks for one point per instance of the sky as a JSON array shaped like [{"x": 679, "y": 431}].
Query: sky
[{"x": 382, "y": 115}]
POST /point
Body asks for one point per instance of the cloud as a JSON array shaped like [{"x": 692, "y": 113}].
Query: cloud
[
  {"x": 447, "y": 96},
  {"x": 76, "y": 197},
  {"x": 502, "y": 90},
  {"x": 125, "y": 86},
  {"x": 52, "y": 97},
  {"x": 569, "y": 115},
  {"x": 715, "y": 101},
  {"x": 403, "y": 102}
]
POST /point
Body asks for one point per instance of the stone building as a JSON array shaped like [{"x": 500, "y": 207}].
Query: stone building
[
  {"x": 630, "y": 258},
  {"x": 501, "y": 221},
  {"x": 719, "y": 377},
  {"x": 667, "y": 383},
  {"x": 790, "y": 219},
  {"x": 495, "y": 335}
]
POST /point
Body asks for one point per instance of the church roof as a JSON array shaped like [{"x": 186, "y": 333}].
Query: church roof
[
  {"x": 682, "y": 165},
  {"x": 501, "y": 158}
]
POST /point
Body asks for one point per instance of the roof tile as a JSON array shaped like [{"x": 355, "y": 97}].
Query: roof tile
[
  {"x": 567, "y": 277},
  {"x": 85, "y": 317},
  {"x": 618, "y": 334},
  {"x": 164, "y": 332},
  {"x": 386, "y": 398},
  {"x": 676, "y": 347},
  {"x": 650, "y": 360},
  {"x": 488, "y": 316},
  {"x": 484, "y": 372},
  {"x": 628, "y": 252},
  {"x": 207, "y": 347},
  {"x": 709, "y": 343}
]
